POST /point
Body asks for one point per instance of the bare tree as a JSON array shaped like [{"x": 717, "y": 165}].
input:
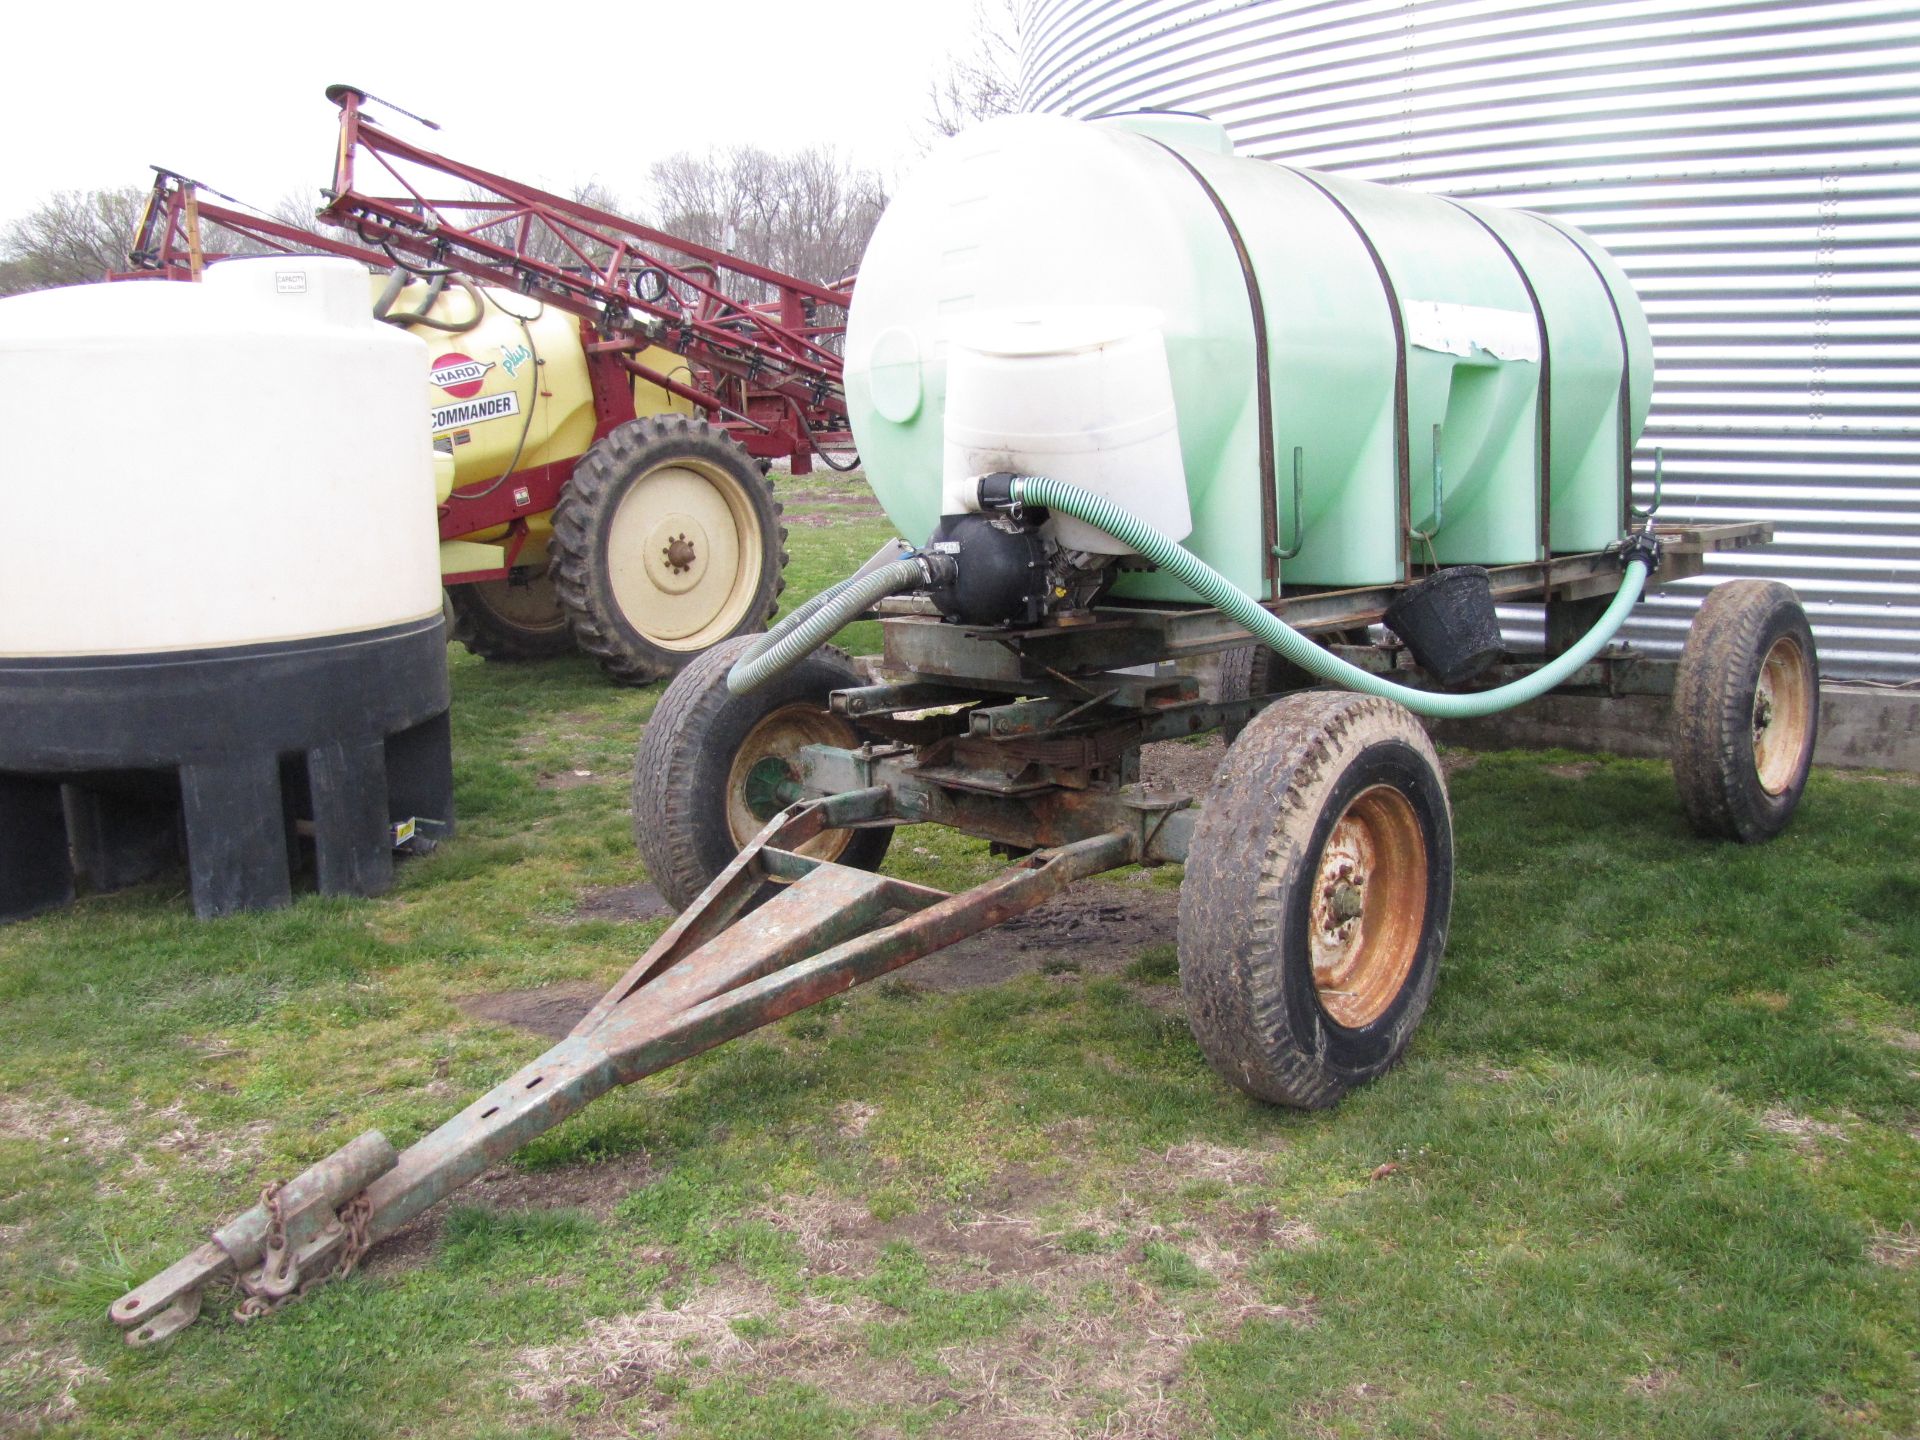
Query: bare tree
[
  {"x": 296, "y": 210},
  {"x": 72, "y": 238},
  {"x": 982, "y": 79},
  {"x": 808, "y": 213}
]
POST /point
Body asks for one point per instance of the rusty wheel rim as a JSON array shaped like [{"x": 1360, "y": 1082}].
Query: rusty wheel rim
[
  {"x": 771, "y": 753},
  {"x": 1782, "y": 715},
  {"x": 1369, "y": 906}
]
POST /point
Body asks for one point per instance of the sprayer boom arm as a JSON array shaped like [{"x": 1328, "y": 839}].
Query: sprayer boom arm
[{"x": 633, "y": 282}]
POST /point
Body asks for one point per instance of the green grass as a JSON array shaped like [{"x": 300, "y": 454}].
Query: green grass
[{"x": 1644, "y": 1171}]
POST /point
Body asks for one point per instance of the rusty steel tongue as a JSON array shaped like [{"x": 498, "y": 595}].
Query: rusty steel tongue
[
  {"x": 299, "y": 1233},
  {"x": 723, "y": 968}
]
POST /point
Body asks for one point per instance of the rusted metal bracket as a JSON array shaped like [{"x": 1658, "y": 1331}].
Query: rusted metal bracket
[{"x": 775, "y": 932}]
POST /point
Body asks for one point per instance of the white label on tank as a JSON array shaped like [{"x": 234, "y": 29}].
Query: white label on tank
[
  {"x": 1457, "y": 329},
  {"x": 290, "y": 282},
  {"x": 472, "y": 412}
]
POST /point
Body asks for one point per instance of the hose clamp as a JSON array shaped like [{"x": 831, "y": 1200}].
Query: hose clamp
[
  {"x": 996, "y": 494},
  {"x": 935, "y": 570}
]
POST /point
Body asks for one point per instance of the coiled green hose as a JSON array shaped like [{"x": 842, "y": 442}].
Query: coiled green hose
[
  {"x": 816, "y": 622},
  {"x": 1214, "y": 588}
]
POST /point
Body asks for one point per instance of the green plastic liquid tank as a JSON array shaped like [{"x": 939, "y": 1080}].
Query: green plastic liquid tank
[{"x": 1389, "y": 318}]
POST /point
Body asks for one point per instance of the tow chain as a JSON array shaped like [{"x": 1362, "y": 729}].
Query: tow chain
[
  {"x": 278, "y": 1281},
  {"x": 271, "y": 1290},
  {"x": 356, "y": 1214}
]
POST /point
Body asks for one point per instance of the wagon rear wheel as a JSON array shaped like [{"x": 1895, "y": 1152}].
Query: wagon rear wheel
[
  {"x": 713, "y": 767},
  {"x": 1746, "y": 711},
  {"x": 666, "y": 541},
  {"x": 1314, "y": 910}
]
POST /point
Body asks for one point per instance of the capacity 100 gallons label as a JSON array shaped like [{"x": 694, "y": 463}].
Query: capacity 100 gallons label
[{"x": 472, "y": 412}]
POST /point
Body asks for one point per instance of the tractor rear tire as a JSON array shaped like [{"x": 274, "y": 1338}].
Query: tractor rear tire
[
  {"x": 666, "y": 541},
  {"x": 1746, "y": 711},
  {"x": 704, "y": 775},
  {"x": 1314, "y": 910},
  {"x": 518, "y": 618}
]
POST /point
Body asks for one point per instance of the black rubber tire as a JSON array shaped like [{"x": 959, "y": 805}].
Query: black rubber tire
[
  {"x": 681, "y": 770},
  {"x": 583, "y": 521},
  {"x": 1251, "y": 670},
  {"x": 479, "y": 625},
  {"x": 1246, "y": 967},
  {"x": 1715, "y": 762}
]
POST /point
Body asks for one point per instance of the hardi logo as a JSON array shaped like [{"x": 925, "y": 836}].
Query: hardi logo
[{"x": 460, "y": 375}]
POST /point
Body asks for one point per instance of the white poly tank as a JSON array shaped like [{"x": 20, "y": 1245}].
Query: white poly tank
[
  {"x": 184, "y": 467},
  {"x": 1076, "y": 392}
]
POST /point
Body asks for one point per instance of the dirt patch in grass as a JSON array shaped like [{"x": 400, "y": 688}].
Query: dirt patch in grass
[
  {"x": 622, "y": 1354},
  {"x": 54, "y": 1123},
  {"x": 1182, "y": 766},
  {"x": 124, "y": 1143},
  {"x": 592, "y": 1189},
  {"x": 821, "y": 520},
  {"x": 1573, "y": 770},
  {"x": 1058, "y": 1369},
  {"x": 1093, "y": 1348},
  {"x": 966, "y": 1247},
  {"x": 621, "y": 902},
  {"x": 1092, "y": 929},
  {"x": 37, "y": 1386},
  {"x": 570, "y": 779},
  {"x": 1897, "y": 1248},
  {"x": 1805, "y": 1133},
  {"x": 1203, "y": 1160},
  {"x": 550, "y": 1010},
  {"x": 845, "y": 499}
]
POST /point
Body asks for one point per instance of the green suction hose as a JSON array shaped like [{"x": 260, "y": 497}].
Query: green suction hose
[
  {"x": 1213, "y": 587},
  {"x": 817, "y": 621}
]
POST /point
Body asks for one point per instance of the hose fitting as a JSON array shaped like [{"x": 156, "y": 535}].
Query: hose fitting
[{"x": 1641, "y": 545}]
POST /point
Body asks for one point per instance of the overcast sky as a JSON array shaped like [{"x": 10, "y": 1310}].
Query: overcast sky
[{"x": 231, "y": 93}]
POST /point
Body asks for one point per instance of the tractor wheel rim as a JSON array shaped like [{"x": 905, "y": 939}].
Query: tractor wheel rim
[
  {"x": 1369, "y": 906},
  {"x": 684, "y": 553},
  {"x": 775, "y": 741},
  {"x": 1782, "y": 715}
]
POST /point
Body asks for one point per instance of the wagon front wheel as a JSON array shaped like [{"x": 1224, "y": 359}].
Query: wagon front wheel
[
  {"x": 1314, "y": 909},
  {"x": 713, "y": 767}
]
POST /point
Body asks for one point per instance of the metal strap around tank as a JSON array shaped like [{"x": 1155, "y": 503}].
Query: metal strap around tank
[
  {"x": 1543, "y": 400},
  {"x": 1263, "y": 380},
  {"x": 1626, "y": 371},
  {"x": 1403, "y": 449}
]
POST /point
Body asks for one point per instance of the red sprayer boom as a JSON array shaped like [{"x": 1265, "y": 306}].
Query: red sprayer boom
[{"x": 759, "y": 342}]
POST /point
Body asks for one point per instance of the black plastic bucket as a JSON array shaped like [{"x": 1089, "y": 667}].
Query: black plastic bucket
[{"x": 1447, "y": 621}]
